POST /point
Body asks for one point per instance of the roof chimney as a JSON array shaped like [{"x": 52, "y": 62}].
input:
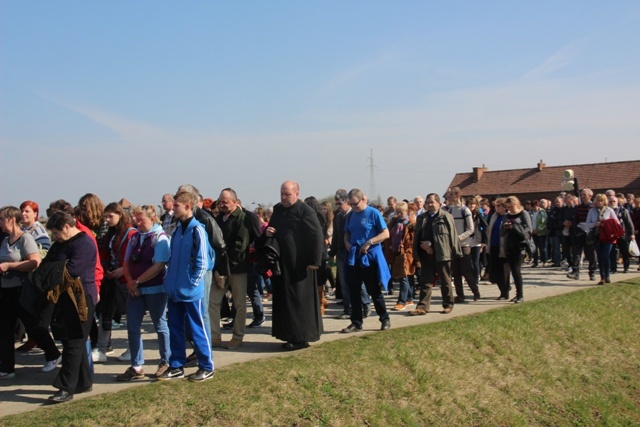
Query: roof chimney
[
  {"x": 477, "y": 172},
  {"x": 541, "y": 165}
]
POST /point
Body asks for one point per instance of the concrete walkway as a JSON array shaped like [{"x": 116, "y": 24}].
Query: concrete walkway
[{"x": 30, "y": 388}]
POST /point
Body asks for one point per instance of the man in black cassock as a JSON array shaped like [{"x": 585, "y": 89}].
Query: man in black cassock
[{"x": 296, "y": 304}]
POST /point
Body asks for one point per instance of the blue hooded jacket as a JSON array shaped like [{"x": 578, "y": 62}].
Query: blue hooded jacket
[{"x": 191, "y": 257}]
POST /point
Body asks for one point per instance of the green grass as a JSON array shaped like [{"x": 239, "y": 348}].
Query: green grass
[{"x": 572, "y": 360}]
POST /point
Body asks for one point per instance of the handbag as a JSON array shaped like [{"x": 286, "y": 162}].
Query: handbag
[
  {"x": 633, "y": 248},
  {"x": 397, "y": 268},
  {"x": 610, "y": 230}
]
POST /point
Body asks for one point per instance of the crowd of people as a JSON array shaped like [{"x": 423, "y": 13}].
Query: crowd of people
[{"x": 198, "y": 262}]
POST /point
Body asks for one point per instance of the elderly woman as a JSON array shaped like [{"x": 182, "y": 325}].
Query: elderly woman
[
  {"x": 80, "y": 253},
  {"x": 19, "y": 255},
  {"x": 599, "y": 213},
  {"x": 516, "y": 231},
  {"x": 144, "y": 269}
]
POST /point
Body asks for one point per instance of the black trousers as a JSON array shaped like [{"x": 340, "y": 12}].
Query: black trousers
[
  {"x": 514, "y": 261},
  {"x": 38, "y": 330},
  {"x": 75, "y": 373},
  {"x": 369, "y": 275},
  {"x": 500, "y": 271}
]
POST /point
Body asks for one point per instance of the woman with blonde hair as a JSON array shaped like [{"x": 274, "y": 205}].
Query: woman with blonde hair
[
  {"x": 515, "y": 232},
  {"x": 144, "y": 269},
  {"x": 599, "y": 213}
]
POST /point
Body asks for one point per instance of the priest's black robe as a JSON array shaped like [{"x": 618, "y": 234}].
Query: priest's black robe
[{"x": 296, "y": 304}]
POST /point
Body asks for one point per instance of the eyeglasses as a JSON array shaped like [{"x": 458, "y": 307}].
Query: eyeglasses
[{"x": 354, "y": 203}]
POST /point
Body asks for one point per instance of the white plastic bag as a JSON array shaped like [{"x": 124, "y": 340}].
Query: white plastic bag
[{"x": 633, "y": 248}]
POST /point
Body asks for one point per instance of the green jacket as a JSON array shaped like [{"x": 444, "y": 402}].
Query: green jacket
[
  {"x": 445, "y": 237},
  {"x": 541, "y": 224}
]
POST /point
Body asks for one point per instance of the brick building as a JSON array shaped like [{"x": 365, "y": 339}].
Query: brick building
[{"x": 545, "y": 181}]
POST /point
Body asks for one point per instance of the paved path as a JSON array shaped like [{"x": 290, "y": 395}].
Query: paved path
[{"x": 30, "y": 388}]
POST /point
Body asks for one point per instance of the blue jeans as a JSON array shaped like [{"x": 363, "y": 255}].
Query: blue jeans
[
  {"x": 541, "y": 249},
  {"x": 157, "y": 306},
  {"x": 346, "y": 295},
  {"x": 406, "y": 292},
  {"x": 254, "y": 291},
  {"x": 604, "y": 263}
]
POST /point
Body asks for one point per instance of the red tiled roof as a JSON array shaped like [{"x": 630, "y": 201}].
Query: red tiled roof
[{"x": 614, "y": 175}]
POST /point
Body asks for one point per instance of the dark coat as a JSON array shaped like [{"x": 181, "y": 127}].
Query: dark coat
[{"x": 296, "y": 305}]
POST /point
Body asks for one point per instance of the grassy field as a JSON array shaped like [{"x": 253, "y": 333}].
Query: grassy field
[{"x": 572, "y": 360}]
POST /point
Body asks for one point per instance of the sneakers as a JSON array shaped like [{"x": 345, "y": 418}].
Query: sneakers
[
  {"x": 7, "y": 375},
  {"x": 51, "y": 365},
  {"x": 257, "y": 322},
  {"x": 201, "y": 375},
  {"x": 399, "y": 307},
  {"x": 131, "y": 374},
  {"x": 162, "y": 368},
  {"x": 98, "y": 356},
  {"x": 573, "y": 276},
  {"x": 192, "y": 360},
  {"x": 351, "y": 328},
  {"x": 171, "y": 373},
  {"x": 386, "y": 324},
  {"x": 366, "y": 311},
  {"x": 234, "y": 343},
  {"x": 125, "y": 357}
]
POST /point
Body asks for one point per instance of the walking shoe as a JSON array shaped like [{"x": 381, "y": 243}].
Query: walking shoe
[
  {"x": 592, "y": 276},
  {"x": 216, "y": 343},
  {"x": 192, "y": 360},
  {"x": 459, "y": 300},
  {"x": 162, "y": 368},
  {"x": 131, "y": 374},
  {"x": 476, "y": 297},
  {"x": 7, "y": 375},
  {"x": 344, "y": 316},
  {"x": 257, "y": 322},
  {"x": 386, "y": 324},
  {"x": 366, "y": 311},
  {"x": 109, "y": 351},
  {"x": 295, "y": 345},
  {"x": 518, "y": 300},
  {"x": 234, "y": 343},
  {"x": 171, "y": 373},
  {"x": 98, "y": 356},
  {"x": 51, "y": 365},
  {"x": 399, "y": 307},
  {"x": 27, "y": 346},
  {"x": 60, "y": 396},
  {"x": 418, "y": 312},
  {"x": 201, "y": 375},
  {"x": 607, "y": 280},
  {"x": 351, "y": 328},
  {"x": 601, "y": 282},
  {"x": 125, "y": 357},
  {"x": 573, "y": 276},
  {"x": 447, "y": 310}
]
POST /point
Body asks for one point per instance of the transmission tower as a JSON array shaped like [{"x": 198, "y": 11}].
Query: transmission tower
[{"x": 372, "y": 177}]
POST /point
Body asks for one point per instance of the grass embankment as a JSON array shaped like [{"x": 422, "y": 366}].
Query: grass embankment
[{"x": 569, "y": 360}]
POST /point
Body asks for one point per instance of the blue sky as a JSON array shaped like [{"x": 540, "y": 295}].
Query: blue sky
[{"x": 131, "y": 99}]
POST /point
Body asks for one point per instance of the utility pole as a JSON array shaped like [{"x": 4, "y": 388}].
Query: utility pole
[{"x": 372, "y": 178}]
